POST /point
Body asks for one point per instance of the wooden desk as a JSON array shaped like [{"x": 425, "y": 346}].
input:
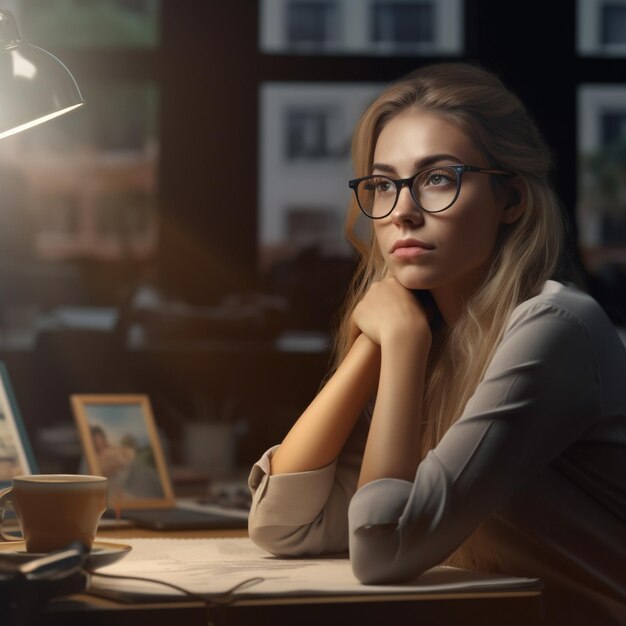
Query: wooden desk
[{"x": 521, "y": 607}]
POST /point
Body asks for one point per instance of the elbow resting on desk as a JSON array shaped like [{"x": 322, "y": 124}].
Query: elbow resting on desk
[
  {"x": 305, "y": 534},
  {"x": 377, "y": 557},
  {"x": 373, "y": 554},
  {"x": 284, "y": 541},
  {"x": 386, "y": 545},
  {"x": 299, "y": 514}
]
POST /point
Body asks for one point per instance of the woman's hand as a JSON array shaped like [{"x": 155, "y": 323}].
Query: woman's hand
[{"x": 390, "y": 310}]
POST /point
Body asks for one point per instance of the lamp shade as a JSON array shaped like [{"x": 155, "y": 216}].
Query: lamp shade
[{"x": 34, "y": 85}]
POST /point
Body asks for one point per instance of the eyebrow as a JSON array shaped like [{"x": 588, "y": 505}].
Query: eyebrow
[{"x": 420, "y": 163}]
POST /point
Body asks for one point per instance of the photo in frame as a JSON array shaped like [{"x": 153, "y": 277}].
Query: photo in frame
[
  {"x": 16, "y": 455},
  {"x": 120, "y": 441}
]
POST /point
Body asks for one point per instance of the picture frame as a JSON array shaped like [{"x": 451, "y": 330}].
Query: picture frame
[
  {"x": 16, "y": 454},
  {"x": 120, "y": 441}
]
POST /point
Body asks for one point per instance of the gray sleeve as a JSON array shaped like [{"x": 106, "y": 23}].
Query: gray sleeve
[
  {"x": 539, "y": 393},
  {"x": 306, "y": 513}
]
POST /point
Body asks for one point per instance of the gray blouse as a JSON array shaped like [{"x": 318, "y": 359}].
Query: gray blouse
[{"x": 538, "y": 458}]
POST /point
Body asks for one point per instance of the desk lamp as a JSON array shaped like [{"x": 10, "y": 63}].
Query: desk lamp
[{"x": 34, "y": 85}]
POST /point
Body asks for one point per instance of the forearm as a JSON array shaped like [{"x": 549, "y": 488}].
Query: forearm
[
  {"x": 320, "y": 433},
  {"x": 392, "y": 449}
]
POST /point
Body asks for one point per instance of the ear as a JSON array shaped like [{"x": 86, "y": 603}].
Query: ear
[{"x": 516, "y": 201}]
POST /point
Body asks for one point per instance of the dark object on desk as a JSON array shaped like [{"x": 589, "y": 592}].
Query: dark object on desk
[
  {"x": 182, "y": 519},
  {"x": 25, "y": 588}
]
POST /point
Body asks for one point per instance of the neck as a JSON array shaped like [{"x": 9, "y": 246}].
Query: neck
[
  {"x": 451, "y": 298},
  {"x": 450, "y": 305}
]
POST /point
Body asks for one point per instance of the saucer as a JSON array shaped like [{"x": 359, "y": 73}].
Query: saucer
[{"x": 102, "y": 553}]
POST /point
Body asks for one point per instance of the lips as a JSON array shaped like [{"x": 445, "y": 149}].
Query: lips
[{"x": 402, "y": 244}]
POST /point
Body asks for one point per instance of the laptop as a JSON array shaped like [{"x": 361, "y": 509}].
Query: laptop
[
  {"x": 120, "y": 440},
  {"x": 181, "y": 518}
]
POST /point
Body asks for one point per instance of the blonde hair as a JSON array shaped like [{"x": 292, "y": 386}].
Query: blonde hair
[{"x": 526, "y": 255}]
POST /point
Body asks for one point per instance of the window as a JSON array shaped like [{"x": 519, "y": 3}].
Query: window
[
  {"x": 601, "y": 27},
  {"x": 309, "y": 225},
  {"x": 613, "y": 127},
  {"x": 370, "y": 27},
  {"x": 311, "y": 24},
  {"x": 304, "y": 161},
  {"x": 613, "y": 21},
  {"x": 309, "y": 133},
  {"x": 602, "y": 174},
  {"x": 403, "y": 23}
]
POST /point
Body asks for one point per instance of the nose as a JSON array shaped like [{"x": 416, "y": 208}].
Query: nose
[{"x": 406, "y": 211}]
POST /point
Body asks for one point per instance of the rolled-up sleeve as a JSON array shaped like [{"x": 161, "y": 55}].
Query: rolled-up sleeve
[
  {"x": 305, "y": 513},
  {"x": 539, "y": 393}
]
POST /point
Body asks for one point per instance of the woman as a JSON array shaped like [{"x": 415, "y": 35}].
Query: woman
[{"x": 477, "y": 411}]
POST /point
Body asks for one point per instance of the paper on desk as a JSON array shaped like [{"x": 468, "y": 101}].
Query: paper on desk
[{"x": 214, "y": 566}]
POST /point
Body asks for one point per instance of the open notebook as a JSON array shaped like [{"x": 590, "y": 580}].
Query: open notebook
[{"x": 120, "y": 441}]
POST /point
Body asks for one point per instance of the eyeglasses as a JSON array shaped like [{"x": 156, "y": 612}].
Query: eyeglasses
[{"x": 433, "y": 190}]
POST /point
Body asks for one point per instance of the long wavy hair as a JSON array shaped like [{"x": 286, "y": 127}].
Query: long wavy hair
[{"x": 527, "y": 252}]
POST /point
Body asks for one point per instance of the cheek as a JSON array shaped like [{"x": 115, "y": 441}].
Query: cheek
[
  {"x": 381, "y": 240},
  {"x": 474, "y": 233},
  {"x": 471, "y": 243}
]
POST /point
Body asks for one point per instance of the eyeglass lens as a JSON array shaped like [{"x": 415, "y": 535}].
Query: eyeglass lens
[{"x": 434, "y": 190}]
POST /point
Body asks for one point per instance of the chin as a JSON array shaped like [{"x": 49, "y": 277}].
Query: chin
[{"x": 413, "y": 277}]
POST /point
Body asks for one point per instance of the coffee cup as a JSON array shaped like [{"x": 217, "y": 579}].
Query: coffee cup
[{"x": 54, "y": 510}]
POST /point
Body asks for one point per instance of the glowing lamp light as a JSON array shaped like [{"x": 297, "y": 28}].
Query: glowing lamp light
[{"x": 34, "y": 85}]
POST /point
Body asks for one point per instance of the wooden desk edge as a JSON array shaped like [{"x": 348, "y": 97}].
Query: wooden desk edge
[{"x": 95, "y": 601}]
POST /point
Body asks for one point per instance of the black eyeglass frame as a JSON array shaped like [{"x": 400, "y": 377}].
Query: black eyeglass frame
[{"x": 408, "y": 182}]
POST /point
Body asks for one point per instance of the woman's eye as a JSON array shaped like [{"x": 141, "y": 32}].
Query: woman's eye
[
  {"x": 378, "y": 185},
  {"x": 440, "y": 177}
]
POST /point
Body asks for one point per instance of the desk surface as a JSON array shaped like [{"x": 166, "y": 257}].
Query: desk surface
[{"x": 482, "y": 608}]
